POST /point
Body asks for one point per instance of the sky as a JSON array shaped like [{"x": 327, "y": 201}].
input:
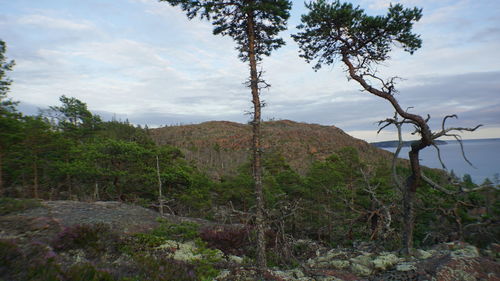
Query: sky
[{"x": 144, "y": 61}]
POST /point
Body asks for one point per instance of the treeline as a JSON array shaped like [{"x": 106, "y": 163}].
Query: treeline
[{"x": 67, "y": 152}]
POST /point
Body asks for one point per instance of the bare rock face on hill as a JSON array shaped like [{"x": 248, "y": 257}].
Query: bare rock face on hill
[{"x": 221, "y": 146}]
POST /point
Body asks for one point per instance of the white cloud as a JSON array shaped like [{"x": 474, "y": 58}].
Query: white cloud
[
  {"x": 54, "y": 23},
  {"x": 164, "y": 67}
]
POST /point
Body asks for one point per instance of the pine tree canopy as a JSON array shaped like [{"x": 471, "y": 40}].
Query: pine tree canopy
[
  {"x": 231, "y": 17},
  {"x": 332, "y": 30}
]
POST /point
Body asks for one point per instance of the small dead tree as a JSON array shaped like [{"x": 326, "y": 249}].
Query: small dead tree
[{"x": 334, "y": 31}]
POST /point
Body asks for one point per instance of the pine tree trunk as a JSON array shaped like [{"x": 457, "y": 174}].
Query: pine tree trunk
[
  {"x": 1, "y": 173},
  {"x": 160, "y": 196},
  {"x": 117, "y": 188},
  {"x": 35, "y": 178},
  {"x": 68, "y": 182},
  {"x": 408, "y": 219},
  {"x": 96, "y": 192},
  {"x": 410, "y": 189},
  {"x": 256, "y": 147}
]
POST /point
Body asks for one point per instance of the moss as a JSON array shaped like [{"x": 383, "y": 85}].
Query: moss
[
  {"x": 87, "y": 272},
  {"x": 147, "y": 240},
  {"x": 180, "y": 232},
  {"x": 13, "y": 205}
]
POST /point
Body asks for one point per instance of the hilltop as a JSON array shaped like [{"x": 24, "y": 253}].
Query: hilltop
[{"x": 222, "y": 146}]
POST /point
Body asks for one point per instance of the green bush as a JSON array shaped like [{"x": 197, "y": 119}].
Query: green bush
[
  {"x": 13, "y": 205},
  {"x": 96, "y": 239},
  {"x": 183, "y": 231},
  {"x": 87, "y": 272}
]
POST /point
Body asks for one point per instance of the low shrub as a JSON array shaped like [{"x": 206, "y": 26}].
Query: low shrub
[
  {"x": 97, "y": 239},
  {"x": 229, "y": 239},
  {"x": 13, "y": 205},
  {"x": 11, "y": 257},
  {"x": 183, "y": 231},
  {"x": 153, "y": 269},
  {"x": 87, "y": 272}
]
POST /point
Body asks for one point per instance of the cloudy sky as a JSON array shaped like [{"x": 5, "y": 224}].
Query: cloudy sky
[{"x": 144, "y": 61}]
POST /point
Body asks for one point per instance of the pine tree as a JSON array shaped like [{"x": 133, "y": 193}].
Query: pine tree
[
  {"x": 254, "y": 25},
  {"x": 9, "y": 117},
  {"x": 335, "y": 31}
]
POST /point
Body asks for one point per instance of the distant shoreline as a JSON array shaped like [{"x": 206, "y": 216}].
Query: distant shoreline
[
  {"x": 394, "y": 143},
  {"x": 385, "y": 144}
]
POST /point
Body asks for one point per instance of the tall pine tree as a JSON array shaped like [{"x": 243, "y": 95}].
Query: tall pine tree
[{"x": 254, "y": 25}]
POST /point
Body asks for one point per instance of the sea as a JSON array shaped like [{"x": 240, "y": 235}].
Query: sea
[{"x": 484, "y": 154}]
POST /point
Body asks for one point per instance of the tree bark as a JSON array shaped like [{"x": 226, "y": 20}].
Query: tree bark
[
  {"x": 1, "y": 173},
  {"x": 408, "y": 219},
  {"x": 160, "y": 196},
  {"x": 412, "y": 182},
  {"x": 35, "y": 179},
  {"x": 117, "y": 188},
  {"x": 96, "y": 191},
  {"x": 256, "y": 146}
]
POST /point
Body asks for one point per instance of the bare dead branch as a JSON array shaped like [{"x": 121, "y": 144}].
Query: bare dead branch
[
  {"x": 439, "y": 155},
  {"x": 386, "y": 216},
  {"x": 462, "y": 189},
  {"x": 485, "y": 223},
  {"x": 444, "y": 120},
  {"x": 459, "y": 139},
  {"x": 398, "y": 125},
  {"x": 446, "y": 131},
  {"x": 437, "y": 186}
]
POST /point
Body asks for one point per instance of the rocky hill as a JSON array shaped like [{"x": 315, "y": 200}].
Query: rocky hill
[{"x": 222, "y": 146}]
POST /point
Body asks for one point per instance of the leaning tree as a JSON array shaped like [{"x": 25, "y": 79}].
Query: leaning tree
[
  {"x": 335, "y": 31},
  {"x": 254, "y": 26}
]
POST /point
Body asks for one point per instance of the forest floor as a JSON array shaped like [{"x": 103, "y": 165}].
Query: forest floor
[{"x": 45, "y": 233}]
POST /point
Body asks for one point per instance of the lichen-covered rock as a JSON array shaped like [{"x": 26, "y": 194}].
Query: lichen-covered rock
[
  {"x": 340, "y": 264},
  {"x": 360, "y": 269},
  {"x": 421, "y": 254},
  {"x": 467, "y": 251},
  {"x": 332, "y": 259},
  {"x": 385, "y": 261},
  {"x": 364, "y": 259},
  {"x": 406, "y": 266},
  {"x": 248, "y": 274},
  {"x": 184, "y": 251},
  {"x": 292, "y": 275},
  {"x": 235, "y": 259},
  {"x": 493, "y": 251}
]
